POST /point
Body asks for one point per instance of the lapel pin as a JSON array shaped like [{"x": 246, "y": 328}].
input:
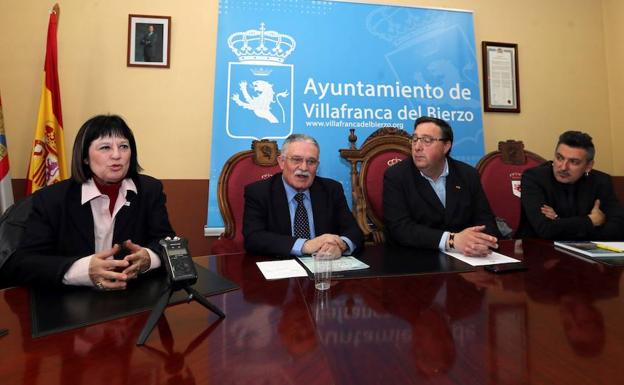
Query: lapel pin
[
  {"x": 458, "y": 187},
  {"x": 127, "y": 204}
]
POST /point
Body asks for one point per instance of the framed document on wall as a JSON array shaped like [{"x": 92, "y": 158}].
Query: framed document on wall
[{"x": 500, "y": 77}]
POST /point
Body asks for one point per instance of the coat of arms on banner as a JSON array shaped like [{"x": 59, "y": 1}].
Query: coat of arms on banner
[
  {"x": 515, "y": 183},
  {"x": 260, "y": 85}
]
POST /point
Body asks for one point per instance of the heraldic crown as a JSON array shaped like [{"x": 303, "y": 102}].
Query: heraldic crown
[{"x": 261, "y": 45}]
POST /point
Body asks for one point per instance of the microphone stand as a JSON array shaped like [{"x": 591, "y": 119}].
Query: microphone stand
[{"x": 162, "y": 302}]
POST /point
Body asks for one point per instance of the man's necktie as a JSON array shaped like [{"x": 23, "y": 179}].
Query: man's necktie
[{"x": 302, "y": 226}]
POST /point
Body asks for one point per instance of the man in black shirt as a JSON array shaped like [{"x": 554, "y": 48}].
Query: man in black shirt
[{"x": 566, "y": 199}]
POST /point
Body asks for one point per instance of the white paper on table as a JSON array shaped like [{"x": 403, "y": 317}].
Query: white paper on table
[
  {"x": 344, "y": 263},
  {"x": 281, "y": 269},
  {"x": 493, "y": 258}
]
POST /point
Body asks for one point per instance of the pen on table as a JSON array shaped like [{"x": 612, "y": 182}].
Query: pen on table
[{"x": 607, "y": 247}]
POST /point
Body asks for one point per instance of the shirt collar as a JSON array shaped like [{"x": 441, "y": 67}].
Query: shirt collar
[
  {"x": 90, "y": 190},
  {"x": 444, "y": 174},
  {"x": 291, "y": 192}
]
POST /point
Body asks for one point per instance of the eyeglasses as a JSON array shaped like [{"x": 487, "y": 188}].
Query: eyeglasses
[
  {"x": 298, "y": 160},
  {"x": 426, "y": 140}
]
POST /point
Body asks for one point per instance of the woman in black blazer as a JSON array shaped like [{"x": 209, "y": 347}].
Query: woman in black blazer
[{"x": 101, "y": 227}]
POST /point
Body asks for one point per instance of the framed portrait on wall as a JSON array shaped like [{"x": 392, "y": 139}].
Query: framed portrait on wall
[{"x": 149, "y": 39}]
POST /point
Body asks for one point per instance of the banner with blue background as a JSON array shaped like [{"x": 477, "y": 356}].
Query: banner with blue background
[{"x": 323, "y": 67}]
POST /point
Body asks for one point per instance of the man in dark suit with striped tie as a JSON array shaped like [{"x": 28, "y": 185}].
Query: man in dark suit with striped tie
[{"x": 296, "y": 212}]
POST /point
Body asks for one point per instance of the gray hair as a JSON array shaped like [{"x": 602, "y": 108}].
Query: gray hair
[{"x": 299, "y": 138}]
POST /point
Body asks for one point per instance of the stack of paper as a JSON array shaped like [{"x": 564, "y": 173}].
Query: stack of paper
[{"x": 594, "y": 249}]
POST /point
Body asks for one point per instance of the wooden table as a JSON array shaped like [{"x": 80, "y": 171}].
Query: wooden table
[{"x": 560, "y": 322}]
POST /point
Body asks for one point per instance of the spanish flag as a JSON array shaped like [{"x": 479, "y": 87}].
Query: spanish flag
[
  {"x": 6, "y": 190},
  {"x": 47, "y": 159}
]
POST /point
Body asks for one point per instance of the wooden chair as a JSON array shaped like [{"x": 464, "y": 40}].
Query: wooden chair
[
  {"x": 382, "y": 149},
  {"x": 241, "y": 169},
  {"x": 501, "y": 173}
]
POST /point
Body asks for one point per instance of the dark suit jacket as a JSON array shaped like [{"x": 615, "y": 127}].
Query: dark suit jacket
[
  {"x": 540, "y": 187},
  {"x": 12, "y": 224},
  {"x": 266, "y": 220},
  {"x": 149, "y": 46},
  {"x": 60, "y": 230},
  {"x": 414, "y": 215}
]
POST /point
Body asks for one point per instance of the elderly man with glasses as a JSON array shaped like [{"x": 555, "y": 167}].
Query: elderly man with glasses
[
  {"x": 296, "y": 212},
  {"x": 434, "y": 201}
]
